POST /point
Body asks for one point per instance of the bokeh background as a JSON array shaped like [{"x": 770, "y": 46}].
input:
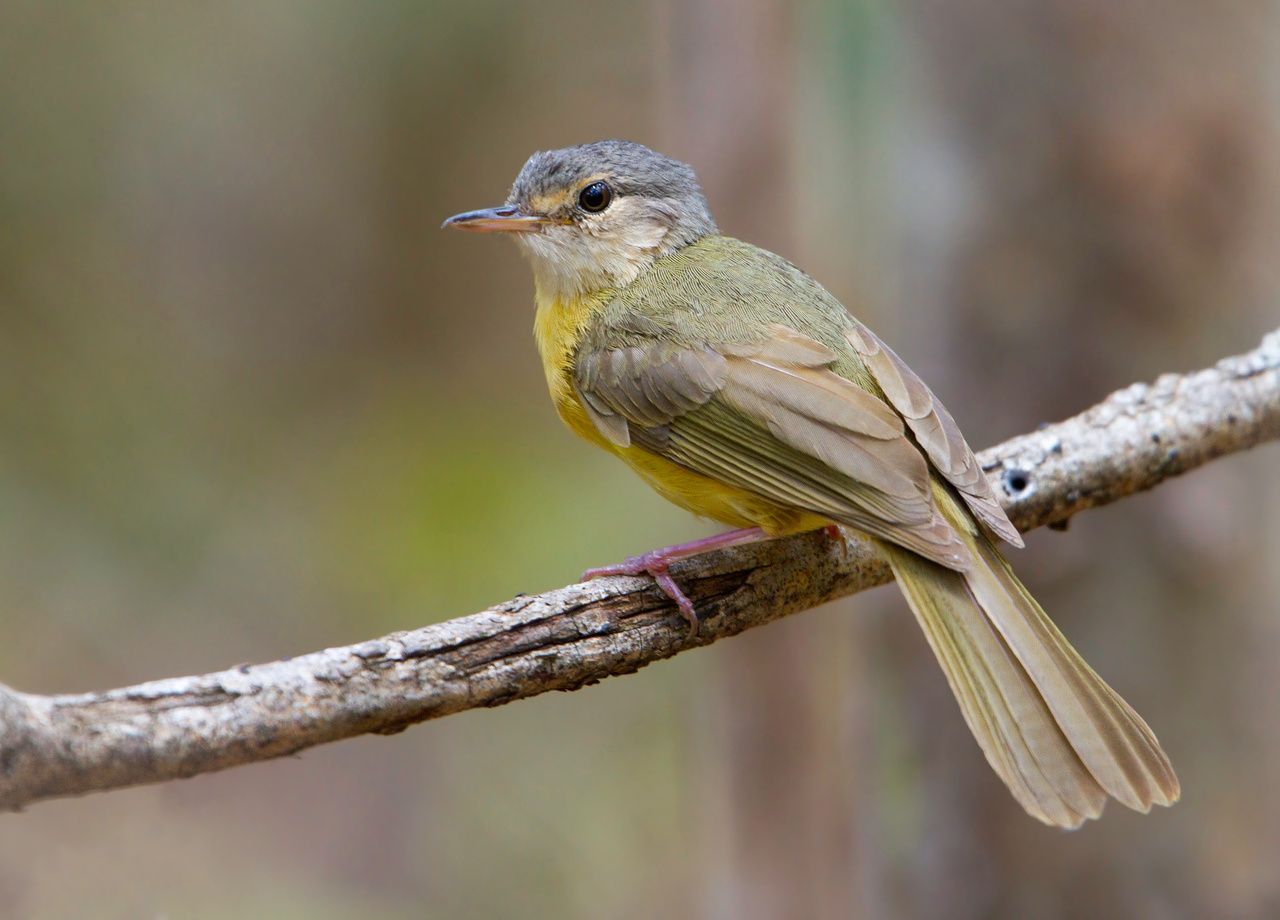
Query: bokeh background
[{"x": 253, "y": 403}]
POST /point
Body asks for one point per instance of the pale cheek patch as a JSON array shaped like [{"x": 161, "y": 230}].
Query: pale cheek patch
[
  {"x": 609, "y": 251},
  {"x": 644, "y": 237}
]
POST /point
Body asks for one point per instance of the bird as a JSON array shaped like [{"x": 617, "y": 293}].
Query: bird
[{"x": 741, "y": 390}]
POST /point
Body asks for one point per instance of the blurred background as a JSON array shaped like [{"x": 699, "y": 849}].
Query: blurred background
[{"x": 253, "y": 403}]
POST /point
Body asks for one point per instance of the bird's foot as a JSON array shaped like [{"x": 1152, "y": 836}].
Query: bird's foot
[{"x": 656, "y": 563}]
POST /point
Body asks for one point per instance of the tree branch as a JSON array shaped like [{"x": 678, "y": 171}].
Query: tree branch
[{"x": 577, "y": 635}]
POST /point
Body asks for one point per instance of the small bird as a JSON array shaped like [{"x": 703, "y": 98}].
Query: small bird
[{"x": 741, "y": 390}]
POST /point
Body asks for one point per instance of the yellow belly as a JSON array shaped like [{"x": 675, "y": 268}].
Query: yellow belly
[
  {"x": 692, "y": 491},
  {"x": 557, "y": 328}
]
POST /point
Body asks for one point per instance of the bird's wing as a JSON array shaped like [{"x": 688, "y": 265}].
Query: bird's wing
[
  {"x": 934, "y": 429},
  {"x": 772, "y": 417}
]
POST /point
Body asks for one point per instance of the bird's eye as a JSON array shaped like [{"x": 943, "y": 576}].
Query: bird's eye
[{"x": 595, "y": 197}]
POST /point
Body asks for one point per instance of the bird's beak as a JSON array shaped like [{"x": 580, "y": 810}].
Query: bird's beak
[{"x": 507, "y": 218}]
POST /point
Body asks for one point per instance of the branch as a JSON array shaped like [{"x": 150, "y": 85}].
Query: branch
[{"x": 577, "y": 635}]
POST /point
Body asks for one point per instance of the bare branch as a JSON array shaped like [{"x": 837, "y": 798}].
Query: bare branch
[{"x": 577, "y": 635}]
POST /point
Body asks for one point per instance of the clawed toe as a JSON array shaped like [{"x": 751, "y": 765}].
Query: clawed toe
[
  {"x": 654, "y": 564},
  {"x": 672, "y": 590},
  {"x": 635, "y": 565},
  {"x": 656, "y": 568}
]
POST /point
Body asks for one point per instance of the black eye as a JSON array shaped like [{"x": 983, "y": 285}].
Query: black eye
[{"x": 595, "y": 197}]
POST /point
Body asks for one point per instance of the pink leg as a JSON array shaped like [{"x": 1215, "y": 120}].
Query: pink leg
[{"x": 655, "y": 563}]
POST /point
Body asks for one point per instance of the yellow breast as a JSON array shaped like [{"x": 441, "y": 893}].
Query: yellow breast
[{"x": 558, "y": 327}]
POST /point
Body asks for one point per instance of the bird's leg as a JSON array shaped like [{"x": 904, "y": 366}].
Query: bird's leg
[{"x": 655, "y": 563}]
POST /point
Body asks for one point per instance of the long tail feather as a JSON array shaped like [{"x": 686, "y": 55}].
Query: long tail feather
[{"x": 1051, "y": 728}]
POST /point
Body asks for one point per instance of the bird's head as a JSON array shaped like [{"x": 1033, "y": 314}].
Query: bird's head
[{"x": 593, "y": 217}]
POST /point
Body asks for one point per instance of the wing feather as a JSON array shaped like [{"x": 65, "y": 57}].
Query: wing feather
[{"x": 934, "y": 429}]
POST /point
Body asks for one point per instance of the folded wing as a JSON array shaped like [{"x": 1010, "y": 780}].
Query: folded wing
[{"x": 771, "y": 417}]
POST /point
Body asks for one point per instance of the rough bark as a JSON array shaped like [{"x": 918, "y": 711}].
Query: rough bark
[{"x": 577, "y": 635}]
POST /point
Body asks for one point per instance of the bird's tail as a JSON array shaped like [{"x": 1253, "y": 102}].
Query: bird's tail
[{"x": 1059, "y": 737}]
